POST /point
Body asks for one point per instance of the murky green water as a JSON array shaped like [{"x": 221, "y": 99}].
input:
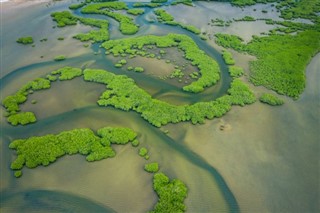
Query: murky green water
[{"x": 266, "y": 161}]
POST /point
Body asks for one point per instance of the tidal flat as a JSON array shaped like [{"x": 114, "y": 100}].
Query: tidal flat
[{"x": 256, "y": 158}]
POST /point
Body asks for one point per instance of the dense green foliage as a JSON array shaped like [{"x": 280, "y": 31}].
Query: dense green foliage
[
  {"x": 185, "y": 2},
  {"x": 25, "y": 40},
  {"x": 209, "y": 69},
  {"x": 12, "y": 102},
  {"x": 117, "y": 135},
  {"x": 171, "y": 194},
  {"x": 138, "y": 69},
  {"x": 143, "y": 152},
  {"x": 43, "y": 150},
  {"x": 235, "y": 71},
  {"x": 65, "y": 18},
  {"x": 290, "y": 9},
  {"x": 135, "y": 11},
  {"x": 122, "y": 93},
  {"x": 165, "y": 17},
  {"x": 22, "y": 118},
  {"x": 127, "y": 25},
  {"x": 159, "y": 1},
  {"x": 151, "y": 167},
  {"x": 228, "y": 59},
  {"x": 67, "y": 73},
  {"x": 60, "y": 58},
  {"x": 77, "y": 6},
  {"x": 281, "y": 59},
  {"x": 152, "y": 5},
  {"x": 271, "y": 99}
]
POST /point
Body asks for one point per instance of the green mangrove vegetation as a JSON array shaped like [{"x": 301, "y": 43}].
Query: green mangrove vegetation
[
  {"x": 171, "y": 194},
  {"x": 65, "y": 18},
  {"x": 151, "y": 167},
  {"x": 127, "y": 26},
  {"x": 235, "y": 71},
  {"x": 12, "y": 102},
  {"x": 135, "y": 11},
  {"x": 228, "y": 58},
  {"x": 281, "y": 59},
  {"x": 152, "y": 5},
  {"x": 25, "y": 40},
  {"x": 22, "y": 118},
  {"x": 77, "y": 6},
  {"x": 271, "y": 99},
  {"x": 122, "y": 93},
  {"x": 208, "y": 67},
  {"x": 60, "y": 58},
  {"x": 166, "y": 18},
  {"x": 159, "y": 1},
  {"x": 67, "y": 73},
  {"x": 143, "y": 152},
  {"x": 185, "y": 2},
  {"x": 44, "y": 150}
]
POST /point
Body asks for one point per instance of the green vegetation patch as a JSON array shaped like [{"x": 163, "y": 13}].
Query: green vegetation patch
[
  {"x": 44, "y": 150},
  {"x": 25, "y": 40},
  {"x": 22, "y": 118},
  {"x": 185, "y": 2},
  {"x": 127, "y": 26},
  {"x": 60, "y": 58},
  {"x": 77, "y": 6},
  {"x": 159, "y": 1},
  {"x": 171, "y": 194},
  {"x": 228, "y": 59},
  {"x": 246, "y": 18},
  {"x": 165, "y": 17},
  {"x": 67, "y": 73},
  {"x": 65, "y": 18},
  {"x": 12, "y": 102},
  {"x": 271, "y": 99},
  {"x": 151, "y": 167},
  {"x": 235, "y": 71},
  {"x": 208, "y": 67},
  {"x": 135, "y": 12},
  {"x": 122, "y": 93},
  {"x": 152, "y": 5},
  {"x": 281, "y": 59}
]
